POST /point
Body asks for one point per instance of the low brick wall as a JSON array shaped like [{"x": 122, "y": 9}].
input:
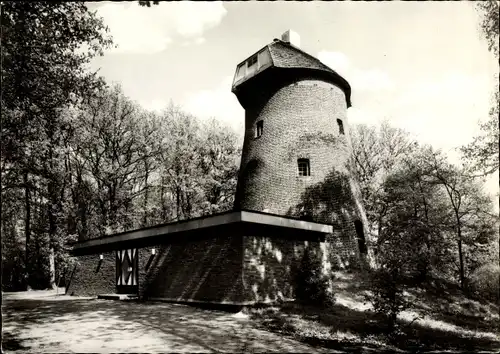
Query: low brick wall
[
  {"x": 235, "y": 269},
  {"x": 92, "y": 276},
  {"x": 206, "y": 270}
]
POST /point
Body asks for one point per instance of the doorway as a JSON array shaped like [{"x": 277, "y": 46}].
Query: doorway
[
  {"x": 358, "y": 225},
  {"x": 127, "y": 265}
]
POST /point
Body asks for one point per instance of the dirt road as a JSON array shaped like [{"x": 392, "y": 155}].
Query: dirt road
[{"x": 41, "y": 321}]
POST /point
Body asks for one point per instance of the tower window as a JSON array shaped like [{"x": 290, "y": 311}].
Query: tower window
[
  {"x": 259, "y": 128},
  {"x": 358, "y": 225},
  {"x": 252, "y": 61},
  {"x": 303, "y": 165},
  {"x": 341, "y": 126}
]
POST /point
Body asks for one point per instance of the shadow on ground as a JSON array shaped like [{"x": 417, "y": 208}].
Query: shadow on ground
[
  {"x": 71, "y": 324},
  {"x": 67, "y": 324},
  {"x": 11, "y": 343}
]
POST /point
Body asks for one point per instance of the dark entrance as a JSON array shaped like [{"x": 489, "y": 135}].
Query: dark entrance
[
  {"x": 358, "y": 225},
  {"x": 127, "y": 271}
]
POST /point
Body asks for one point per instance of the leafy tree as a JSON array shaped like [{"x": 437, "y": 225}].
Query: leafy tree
[
  {"x": 471, "y": 209},
  {"x": 44, "y": 67},
  {"x": 198, "y": 165},
  {"x": 219, "y": 165},
  {"x": 414, "y": 210},
  {"x": 181, "y": 161},
  {"x": 490, "y": 23},
  {"x": 412, "y": 191},
  {"x": 116, "y": 147},
  {"x": 13, "y": 244},
  {"x": 45, "y": 51},
  {"x": 435, "y": 217},
  {"x": 152, "y": 147},
  {"x": 430, "y": 218},
  {"x": 80, "y": 160},
  {"x": 483, "y": 152},
  {"x": 376, "y": 153}
]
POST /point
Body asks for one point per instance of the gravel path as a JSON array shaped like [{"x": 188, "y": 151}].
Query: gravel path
[{"x": 41, "y": 321}]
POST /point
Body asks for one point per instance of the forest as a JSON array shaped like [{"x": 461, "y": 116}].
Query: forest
[{"x": 81, "y": 160}]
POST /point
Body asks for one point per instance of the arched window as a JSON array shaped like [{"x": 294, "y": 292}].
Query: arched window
[
  {"x": 341, "y": 126},
  {"x": 358, "y": 225}
]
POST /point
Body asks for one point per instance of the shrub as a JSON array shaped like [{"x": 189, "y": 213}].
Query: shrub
[
  {"x": 484, "y": 281},
  {"x": 310, "y": 284},
  {"x": 388, "y": 299}
]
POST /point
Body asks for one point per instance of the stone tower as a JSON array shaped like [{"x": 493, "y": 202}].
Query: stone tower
[{"x": 297, "y": 154}]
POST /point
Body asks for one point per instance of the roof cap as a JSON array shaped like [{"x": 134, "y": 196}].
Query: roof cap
[{"x": 291, "y": 37}]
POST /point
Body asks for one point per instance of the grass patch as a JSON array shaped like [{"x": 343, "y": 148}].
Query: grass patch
[
  {"x": 446, "y": 320},
  {"x": 320, "y": 328}
]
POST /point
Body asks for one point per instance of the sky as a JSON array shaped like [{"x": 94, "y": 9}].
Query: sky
[{"x": 421, "y": 66}]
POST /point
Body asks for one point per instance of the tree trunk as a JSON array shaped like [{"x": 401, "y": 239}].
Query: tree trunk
[
  {"x": 427, "y": 238},
  {"x": 112, "y": 206},
  {"x": 103, "y": 206},
  {"x": 146, "y": 196},
  {"x": 178, "y": 196},
  {"x": 83, "y": 216},
  {"x": 52, "y": 236},
  {"x": 27, "y": 226},
  {"x": 456, "y": 208},
  {"x": 52, "y": 268},
  {"x": 461, "y": 257},
  {"x": 162, "y": 197},
  {"x": 81, "y": 203},
  {"x": 53, "y": 201}
]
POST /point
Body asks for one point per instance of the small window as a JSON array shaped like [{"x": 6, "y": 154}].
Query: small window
[
  {"x": 341, "y": 126},
  {"x": 252, "y": 61},
  {"x": 259, "y": 128},
  {"x": 358, "y": 225},
  {"x": 303, "y": 165},
  {"x": 240, "y": 73}
]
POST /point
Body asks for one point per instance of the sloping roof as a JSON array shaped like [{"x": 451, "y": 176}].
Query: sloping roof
[{"x": 286, "y": 56}]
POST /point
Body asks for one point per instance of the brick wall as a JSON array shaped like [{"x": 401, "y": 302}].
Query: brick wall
[
  {"x": 92, "y": 277},
  {"x": 200, "y": 270},
  {"x": 268, "y": 264},
  {"x": 233, "y": 269},
  {"x": 208, "y": 269},
  {"x": 300, "y": 121}
]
